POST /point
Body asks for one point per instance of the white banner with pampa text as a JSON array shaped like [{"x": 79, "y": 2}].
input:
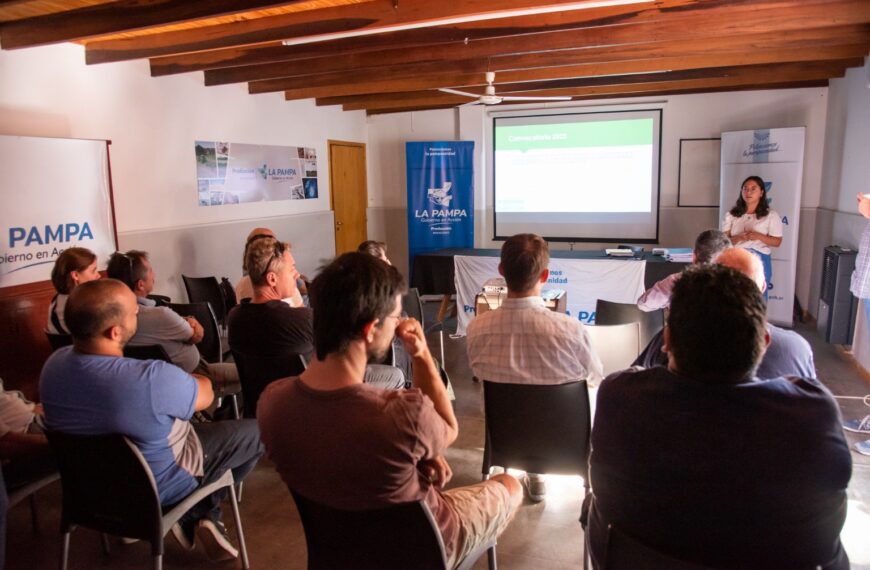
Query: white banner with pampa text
[
  {"x": 57, "y": 196},
  {"x": 777, "y": 156},
  {"x": 584, "y": 280}
]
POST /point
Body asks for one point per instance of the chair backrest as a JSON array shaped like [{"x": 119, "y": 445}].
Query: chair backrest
[
  {"x": 147, "y": 352},
  {"x": 258, "y": 371},
  {"x": 229, "y": 294},
  {"x": 206, "y": 290},
  {"x": 210, "y": 345},
  {"x": 412, "y": 305},
  {"x": 107, "y": 485},
  {"x": 396, "y": 537},
  {"x": 610, "y": 313},
  {"x": 616, "y": 345},
  {"x": 58, "y": 340},
  {"x": 161, "y": 300},
  {"x": 537, "y": 428},
  {"x": 626, "y": 553}
]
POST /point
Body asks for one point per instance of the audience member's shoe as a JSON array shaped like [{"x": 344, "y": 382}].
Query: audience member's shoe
[
  {"x": 184, "y": 535},
  {"x": 863, "y": 447},
  {"x": 127, "y": 540},
  {"x": 536, "y": 487},
  {"x": 213, "y": 537},
  {"x": 859, "y": 426}
]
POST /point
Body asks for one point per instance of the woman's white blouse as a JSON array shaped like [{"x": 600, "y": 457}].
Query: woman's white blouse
[{"x": 770, "y": 225}]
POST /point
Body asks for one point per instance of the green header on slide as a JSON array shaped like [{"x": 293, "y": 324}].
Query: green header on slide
[{"x": 589, "y": 134}]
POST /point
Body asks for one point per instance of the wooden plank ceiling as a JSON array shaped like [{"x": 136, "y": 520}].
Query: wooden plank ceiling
[{"x": 385, "y": 56}]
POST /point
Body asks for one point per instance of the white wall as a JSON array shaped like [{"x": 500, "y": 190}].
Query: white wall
[
  {"x": 153, "y": 123},
  {"x": 846, "y": 169},
  {"x": 684, "y": 116}
]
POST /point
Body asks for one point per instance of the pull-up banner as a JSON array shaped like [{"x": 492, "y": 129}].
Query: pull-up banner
[
  {"x": 440, "y": 196},
  {"x": 58, "y": 195},
  {"x": 777, "y": 156}
]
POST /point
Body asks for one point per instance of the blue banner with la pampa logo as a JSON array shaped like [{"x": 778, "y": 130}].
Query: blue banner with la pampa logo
[{"x": 440, "y": 195}]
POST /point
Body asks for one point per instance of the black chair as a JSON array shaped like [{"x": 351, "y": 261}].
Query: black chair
[
  {"x": 108, "y": 486},
  {"x": 396, "y": 537},
  {"x": 161, "y": 300},
  {"x": 258, "y": 371},
  {"x": 413, "y": 307},
  {"x": 229, "y": 294},
  {"x": 210, "y": 345},
  {"x": 207, "y": 290},
  {"x": 610, "y": 313},
  {"x": 147, "y": 352},
  {"x": 627, "y": 553},
  {"x": 537, "y": 428},
  {"x": 28, "y": 491},
  {"x": 58, "y": 340}
]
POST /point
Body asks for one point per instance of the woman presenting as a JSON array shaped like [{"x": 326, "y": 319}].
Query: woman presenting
[{"x": 752, "y": 225}]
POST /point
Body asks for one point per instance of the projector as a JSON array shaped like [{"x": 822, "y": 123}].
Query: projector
[{"x": 495, "y": 286}]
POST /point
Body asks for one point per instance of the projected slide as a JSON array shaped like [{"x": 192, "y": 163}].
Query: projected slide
[{"x": 580, "y": 177}]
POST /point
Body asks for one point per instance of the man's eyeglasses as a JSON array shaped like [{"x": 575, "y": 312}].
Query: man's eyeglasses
[{"x": 277, "y": 253}]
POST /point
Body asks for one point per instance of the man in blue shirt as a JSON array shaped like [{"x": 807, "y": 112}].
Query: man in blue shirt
[{"x": 90, "y": 389}]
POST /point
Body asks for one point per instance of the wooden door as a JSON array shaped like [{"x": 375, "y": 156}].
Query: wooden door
[{"x": 349, "y": 194}]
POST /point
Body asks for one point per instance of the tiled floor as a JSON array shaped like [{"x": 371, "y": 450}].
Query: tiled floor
[{"x": 543, "y": 536}]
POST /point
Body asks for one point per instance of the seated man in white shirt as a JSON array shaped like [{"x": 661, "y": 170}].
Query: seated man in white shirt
[
  {"x": 708, "y": 245},
  {"x": 523, "y": 342}
]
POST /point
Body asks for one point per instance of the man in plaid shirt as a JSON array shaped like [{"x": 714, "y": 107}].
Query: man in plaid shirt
[
  {"x": 523, "y": 342},
  {"x": 861, "y": 288}
]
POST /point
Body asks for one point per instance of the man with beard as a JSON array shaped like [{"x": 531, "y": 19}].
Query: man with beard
[
  {"x": 350, "y": 445},
  {"x": 91, "y": 389}
]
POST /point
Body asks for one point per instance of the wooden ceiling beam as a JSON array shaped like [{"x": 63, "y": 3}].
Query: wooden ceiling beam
[
  {"x": 115, "y": 17},
  {"x": 633, "y": 94},
  {"x": 807, "y": 41},
  {"x": 537, "y": 34},
  {"x": 761, "y": 77},
  {"x": 371, "y": 17},
  {"x": 588, "y": 72},
  {"x": 740, "y": 58},
  {"x": 691, "y": 30},
  {"x": 461, "y": 33}
]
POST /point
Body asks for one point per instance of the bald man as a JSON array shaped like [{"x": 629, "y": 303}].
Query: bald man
[
  {"x": 91, "y": 389},
  {"x": 788, "y": 354}
]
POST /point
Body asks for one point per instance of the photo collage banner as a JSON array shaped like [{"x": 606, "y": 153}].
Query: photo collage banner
[{"x": 233, "y": 173}]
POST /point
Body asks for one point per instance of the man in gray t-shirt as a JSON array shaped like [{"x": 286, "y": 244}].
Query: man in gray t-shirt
[{"x": 161, "y": 325}]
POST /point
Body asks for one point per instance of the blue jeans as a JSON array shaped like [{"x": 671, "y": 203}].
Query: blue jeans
[{"x": 230, "y": 444}]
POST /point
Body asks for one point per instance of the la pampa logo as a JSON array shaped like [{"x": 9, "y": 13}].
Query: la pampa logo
[
  {"x": 278, "y": 173},
  {"x": 441, "y": 196}
]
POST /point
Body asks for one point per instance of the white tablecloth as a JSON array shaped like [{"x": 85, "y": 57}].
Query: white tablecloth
[{"x": 585, "y": 280}]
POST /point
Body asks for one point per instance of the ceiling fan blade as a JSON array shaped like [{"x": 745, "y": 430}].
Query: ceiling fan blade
[
  {"x": 511, "y": 98},
  {"x": 455, "y": 92}
]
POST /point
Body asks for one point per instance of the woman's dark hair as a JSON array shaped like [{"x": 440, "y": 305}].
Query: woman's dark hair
[
  {"x": 763, "y": 207},
  {"x": 353, "y": 290},
  {"x": 71, "y": 259},
  {"x": 708, "y": 304}
]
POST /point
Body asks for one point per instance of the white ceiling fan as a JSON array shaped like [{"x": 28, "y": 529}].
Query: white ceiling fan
[{"x": 490, "y": 98}]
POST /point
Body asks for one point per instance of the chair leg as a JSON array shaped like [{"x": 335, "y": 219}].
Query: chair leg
[
  {"x": 239, "y": 491},
  {"x": 441, "y": 339},
  {"x": 158, "y": 562},
  {"x": 107, "y": 549},
  {"x": 236, "y": 414},
  {"x": 34, "y": 514},
  {"x": 64, "y": 551},
  {"x": 491, "y": 562},
  {"x": 243, "y": 549}
]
